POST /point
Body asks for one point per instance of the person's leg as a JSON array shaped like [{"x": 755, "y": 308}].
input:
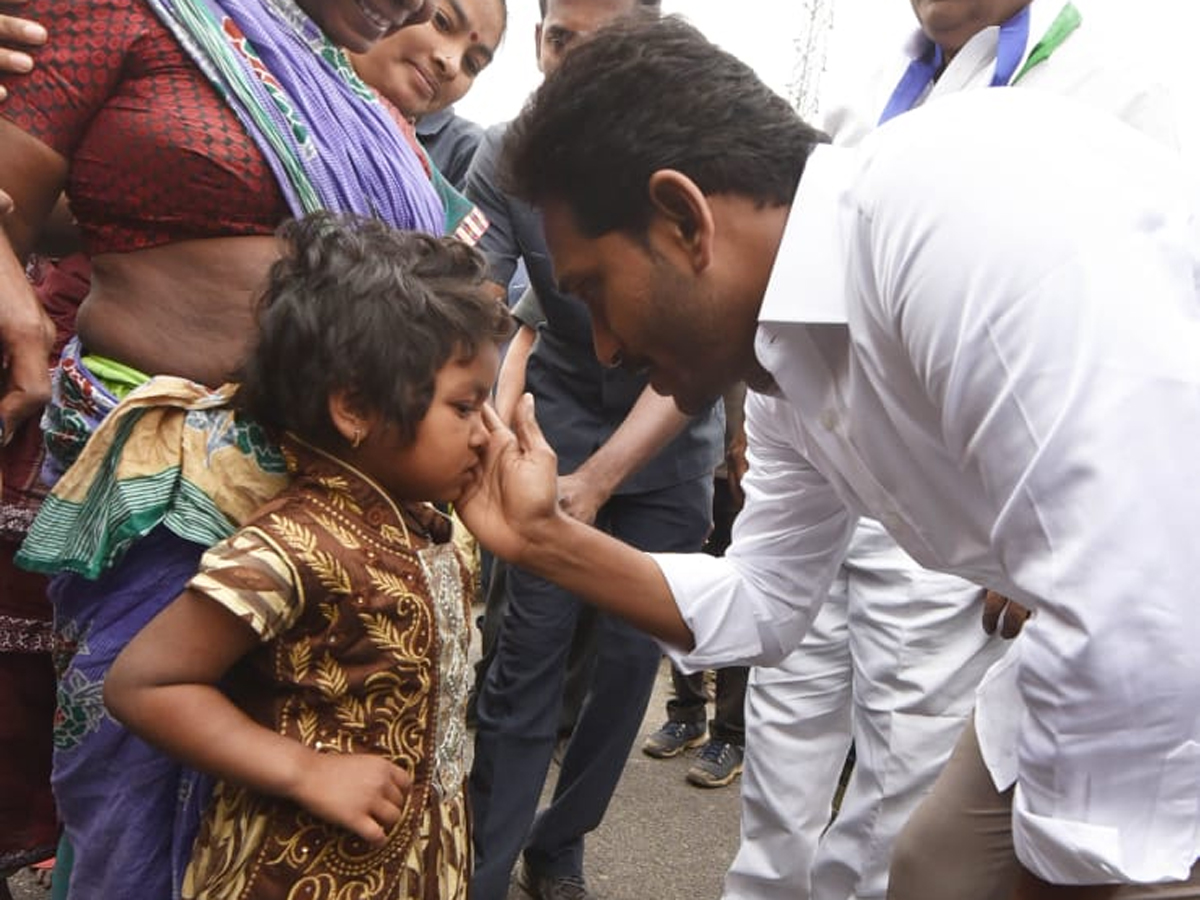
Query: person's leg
[
  {"x": 728, "y": 725},
  {"x": 686, "y": 715},
  {"x": 674, "y": 519},
  {"x": 518, "y": 710},
  {"x": 918, "y": 652},
  {"x": 580, "y": 661},
  {"x": 797, "y": 719},
  {"x": 495, "y": 601},
  {"x": 729, "y": 721},
  {"x": 28, "y": 821},
  {"x": 117, "y": 795},
  {"x": 958, "y": 842}
]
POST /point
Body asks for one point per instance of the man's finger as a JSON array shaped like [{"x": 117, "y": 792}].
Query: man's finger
[
  {"x": 993, "y": 606},
  {"x": 1012, "y": 620},
  {"x": 525, "y": 426}
]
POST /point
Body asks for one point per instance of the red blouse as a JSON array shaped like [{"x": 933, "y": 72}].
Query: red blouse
[{"x": 155, "y": 154}]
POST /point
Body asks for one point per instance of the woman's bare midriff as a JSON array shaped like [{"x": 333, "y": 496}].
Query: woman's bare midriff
[{"x": 182, "y": 309}]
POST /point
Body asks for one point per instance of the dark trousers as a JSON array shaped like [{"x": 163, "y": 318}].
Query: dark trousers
[
  {"x": 729, "y": 719},
  {"x": 520, "y": 704},
  {"x": 579, "y": 662},
  {"x": 688, "y": 705}
]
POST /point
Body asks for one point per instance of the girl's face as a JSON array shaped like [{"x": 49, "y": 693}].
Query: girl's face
[
  {"x": 427, "y": 67},
  {"x": 444, "y": 457},
  {"x": 358, "y": 24}
]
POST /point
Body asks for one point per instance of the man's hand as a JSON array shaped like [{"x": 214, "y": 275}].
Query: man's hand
[
  {"x": 16, "y": 37},
  {"x": 1009, "y": 615},
  {"x": 27, "y": 336},
  {"x": 580, "y": 498},
  {"x": 362, "y": 793},
  {"x": 736, "y": 465},
  {"x": 515, "y": 498}
]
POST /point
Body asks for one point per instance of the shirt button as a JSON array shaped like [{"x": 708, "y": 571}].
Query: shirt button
[{"x": 829, "y": 419}]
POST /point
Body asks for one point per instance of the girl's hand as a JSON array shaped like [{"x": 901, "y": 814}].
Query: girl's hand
[{"x": 362, "y": 793}]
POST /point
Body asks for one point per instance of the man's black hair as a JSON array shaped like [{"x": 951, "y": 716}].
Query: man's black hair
[
  {"x": 356, "y": 305},
  {"x": 651, "y": 4},
  {"x": 645, "y": 94}
]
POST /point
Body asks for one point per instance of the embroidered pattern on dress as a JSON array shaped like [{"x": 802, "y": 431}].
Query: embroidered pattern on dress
[{"x": 443, "y": 573}]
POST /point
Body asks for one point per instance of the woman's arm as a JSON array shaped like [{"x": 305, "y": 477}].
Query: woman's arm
[
  {"x": 163, "y": 687},
  {"x": 32, "y": 176}
]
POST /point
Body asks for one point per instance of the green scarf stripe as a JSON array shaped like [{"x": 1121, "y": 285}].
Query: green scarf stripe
[
  {"x": 208, "y": 34},
  {"x": 87, "y": 538},
  {"x": 1068, "y": 19}
]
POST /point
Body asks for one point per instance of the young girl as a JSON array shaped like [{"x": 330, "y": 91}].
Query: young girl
[{"x": 317, "y": 663}]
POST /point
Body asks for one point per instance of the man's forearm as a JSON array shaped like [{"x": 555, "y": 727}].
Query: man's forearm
[
  {"x": 651, "y": 424},
  {"x": 609, "y": 574}
]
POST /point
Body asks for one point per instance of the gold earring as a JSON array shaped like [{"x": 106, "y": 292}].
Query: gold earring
[{"x": 357, "y": 439}]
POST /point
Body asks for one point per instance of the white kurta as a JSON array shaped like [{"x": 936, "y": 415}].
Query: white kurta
[{"x": 985, "y": 330}]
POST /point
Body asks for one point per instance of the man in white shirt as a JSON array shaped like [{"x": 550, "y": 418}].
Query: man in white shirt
[
  {"x": 864, "y": 671},
  {"x": 980, "y": 327}
]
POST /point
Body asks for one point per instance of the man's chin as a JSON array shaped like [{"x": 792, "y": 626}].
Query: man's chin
[{"x": 687, "y": 404}]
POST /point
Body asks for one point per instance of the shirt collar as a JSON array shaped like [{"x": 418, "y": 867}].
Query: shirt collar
[{"x": 808, "y": 280}]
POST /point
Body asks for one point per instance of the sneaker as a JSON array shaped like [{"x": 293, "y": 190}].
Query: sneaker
[
  {"x": 718, "y": 763},
  {"x": 552, "y": 887},
  {"x": 673, "y": 738}
]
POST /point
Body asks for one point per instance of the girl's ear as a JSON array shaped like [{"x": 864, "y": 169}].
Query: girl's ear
[{"x": 350, "y": 418}]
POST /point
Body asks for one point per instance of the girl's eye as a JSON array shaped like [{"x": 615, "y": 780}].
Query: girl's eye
[{"x": 441, "y": 21}]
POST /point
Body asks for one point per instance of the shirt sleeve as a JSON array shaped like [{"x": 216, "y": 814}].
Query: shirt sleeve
[
  {"x": 753, "y": 605},
  {"x": 247, "y": 575},
  {"x": 499, "y": 243},
  {"x": 528, "y": 308},
  {"x": 1064, "y": 364}
]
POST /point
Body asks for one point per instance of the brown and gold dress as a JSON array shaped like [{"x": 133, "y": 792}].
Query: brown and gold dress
[{"x": 363, "y": 609}]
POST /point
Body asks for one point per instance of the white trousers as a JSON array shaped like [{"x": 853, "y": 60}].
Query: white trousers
[{"x": 891, "y": 664}]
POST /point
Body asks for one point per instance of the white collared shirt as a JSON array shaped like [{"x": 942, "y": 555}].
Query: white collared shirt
[{"x": 984, "y": 325}]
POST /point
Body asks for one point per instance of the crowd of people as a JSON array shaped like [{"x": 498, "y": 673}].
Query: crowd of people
[{"x": 883, "y": 420}]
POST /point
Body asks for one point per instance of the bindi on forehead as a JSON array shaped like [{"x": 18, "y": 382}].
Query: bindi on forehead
[{"x": 474, "y": 37}]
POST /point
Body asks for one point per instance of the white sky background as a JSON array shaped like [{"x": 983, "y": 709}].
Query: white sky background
[{"x": 763, "y": 33}]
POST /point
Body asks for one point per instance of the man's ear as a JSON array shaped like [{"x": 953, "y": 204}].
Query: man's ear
[
  {"x": 682, "y": 215},
  {"x": 537, "y": 45},
  {"x": 350, "y": 418}
]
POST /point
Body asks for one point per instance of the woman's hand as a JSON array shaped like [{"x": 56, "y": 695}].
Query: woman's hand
[
  {"x": 362, "y": 793},
  {"x": 17, "y": 36}
]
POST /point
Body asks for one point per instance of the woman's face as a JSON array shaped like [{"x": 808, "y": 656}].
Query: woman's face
[
  {"x": 427, "y": 67},
  {"x": 359, "y": 24}
]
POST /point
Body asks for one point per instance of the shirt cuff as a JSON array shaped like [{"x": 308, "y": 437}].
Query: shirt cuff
[{"x": 723, "y": 626}]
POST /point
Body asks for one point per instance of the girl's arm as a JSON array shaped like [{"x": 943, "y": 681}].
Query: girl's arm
[{"x": 163, "y": 687}]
